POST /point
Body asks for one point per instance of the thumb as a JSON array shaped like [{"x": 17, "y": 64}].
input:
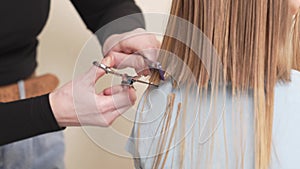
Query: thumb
[
  {"x": 107, "y": 61},
  {"x": 96, "y": 72}
]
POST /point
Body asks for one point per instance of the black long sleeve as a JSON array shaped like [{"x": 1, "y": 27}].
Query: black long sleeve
[
  {"x": 98, "y": 13},
  {"x": 21, "y": 24},
  {"x": 26, "y": 118}
]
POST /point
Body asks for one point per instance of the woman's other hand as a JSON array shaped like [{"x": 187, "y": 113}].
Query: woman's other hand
[{"x": 127, "y": 49}]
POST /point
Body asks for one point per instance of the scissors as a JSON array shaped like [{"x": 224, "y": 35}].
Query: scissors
[{"x": 126, "y": 79}]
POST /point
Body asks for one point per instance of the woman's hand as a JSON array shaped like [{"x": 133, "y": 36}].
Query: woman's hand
[
  {"x": 126, "y": 49},
  {"x": 77, "y": 103}
]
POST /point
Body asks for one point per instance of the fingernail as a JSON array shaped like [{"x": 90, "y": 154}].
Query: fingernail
[{"x": 107, "y": 61}]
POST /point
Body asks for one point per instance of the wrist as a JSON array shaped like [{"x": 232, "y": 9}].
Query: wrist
[{"x": 63, "y": 117}]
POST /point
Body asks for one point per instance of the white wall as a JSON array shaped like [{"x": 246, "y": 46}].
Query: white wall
[{"x": 60, "y": 44}]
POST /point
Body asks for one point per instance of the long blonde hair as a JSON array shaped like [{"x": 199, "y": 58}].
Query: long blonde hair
[
  {"x": 254, "y": 41},
  {"x": 296, "y": 44}
]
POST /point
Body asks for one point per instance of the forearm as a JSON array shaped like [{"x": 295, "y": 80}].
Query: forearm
[
  {"x": 26, "y": 118},
  {"x": 98, "y": 16},
  {"x": 122, "y": 18}
]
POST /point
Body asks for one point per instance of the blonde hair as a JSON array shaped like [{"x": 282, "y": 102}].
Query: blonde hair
[
  {"x": 253, "y": 39},
  {"x": 296, "y": 43}
]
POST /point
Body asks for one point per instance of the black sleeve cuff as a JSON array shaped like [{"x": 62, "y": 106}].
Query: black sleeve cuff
[{"x": 26, "y": 118}]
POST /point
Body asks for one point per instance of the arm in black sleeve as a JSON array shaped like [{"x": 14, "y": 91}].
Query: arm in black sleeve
[
  {"x": 26, "y": 118},
  {"x": 98, "y": 13}
]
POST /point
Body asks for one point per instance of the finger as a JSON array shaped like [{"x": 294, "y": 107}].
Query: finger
[
  {"x": 93, "y": 75},
  {"x": 112, "y": 43},
  {"x": 108, "y": 61},
  {"x": 110, "y": 117},
  {"x": 129, "y": 60},
  {"x": 152, "y": 54},
  {"x": 95, "y": 72},
  {"x": 140, "y": 42},
  {"x": 116, "y": 101},
  {"x": 145, "y": 44},
  {"x": 140, "y": 36},
  {"x": 132, "y": 95},
  {"x": 145, "y": 72},
  {"x": 113, "y": 90}
]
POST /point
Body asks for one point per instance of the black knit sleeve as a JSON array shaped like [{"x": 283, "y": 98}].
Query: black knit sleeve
[
  {"x": 26, "y": 118},
  {"x": 98, "y": 13}
]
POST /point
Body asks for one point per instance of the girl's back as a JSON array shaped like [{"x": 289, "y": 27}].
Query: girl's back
[{"x": 168, "y": 138}]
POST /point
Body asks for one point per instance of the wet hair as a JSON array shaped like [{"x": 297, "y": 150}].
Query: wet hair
[
  {"x": 296, "y": 43},
  {"x": 257, "y": 42}
]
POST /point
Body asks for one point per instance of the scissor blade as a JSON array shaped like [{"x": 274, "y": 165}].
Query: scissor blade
[{"x": 140, "y": 81}]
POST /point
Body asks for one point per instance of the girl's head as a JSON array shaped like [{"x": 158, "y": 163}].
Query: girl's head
[{"x": 252, "y": 38}]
